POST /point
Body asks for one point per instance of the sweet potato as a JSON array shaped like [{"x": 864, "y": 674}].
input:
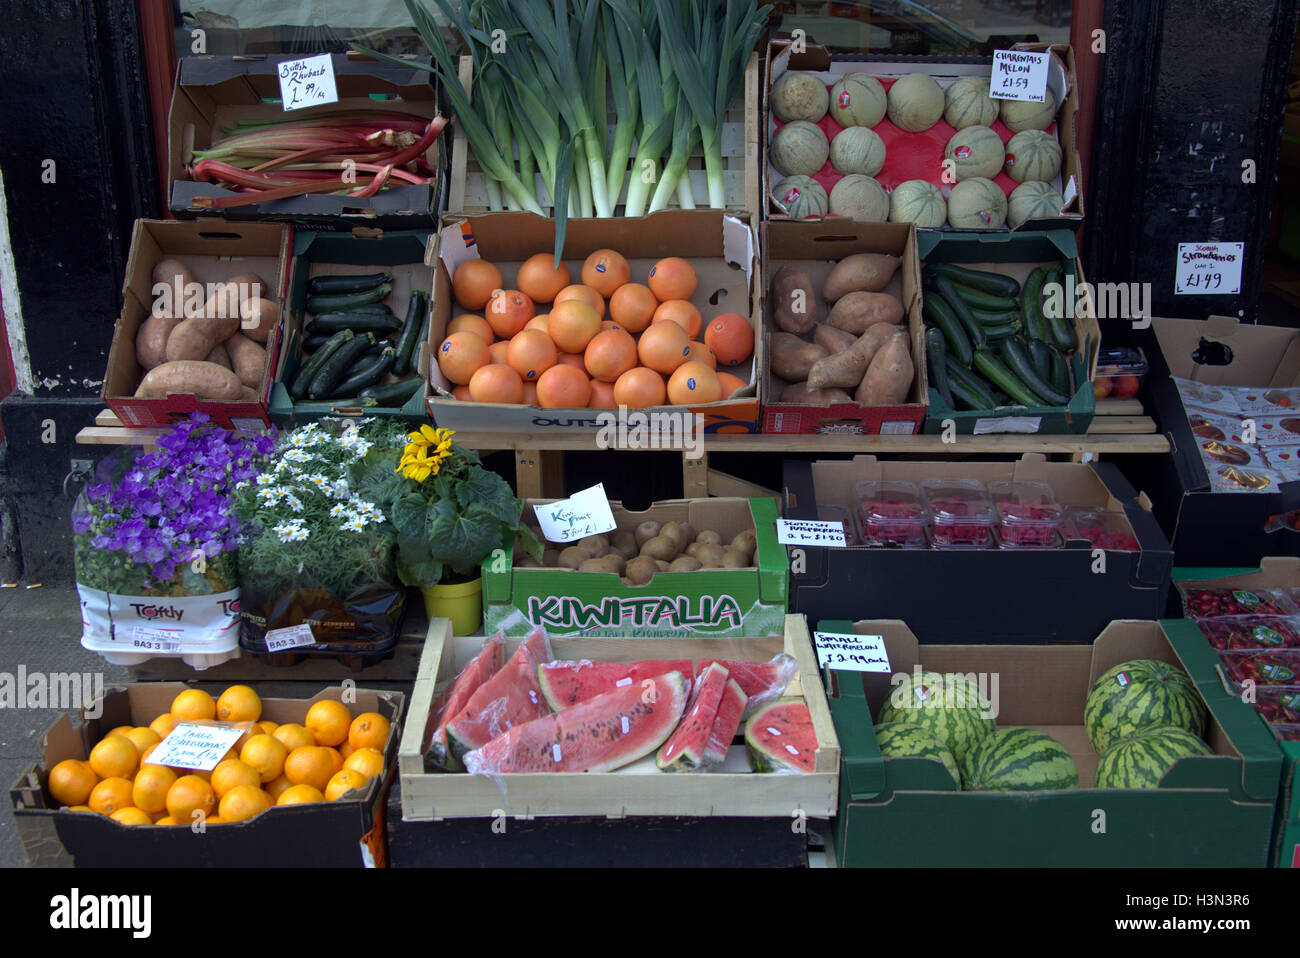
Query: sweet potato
[
  {"x": 869, "y": 272},
  {"x": 247, "y": 358},
  {"x": 257, "y": 317},
  {"x": 845, "y": 370},
  {"x": 196, "y": 336},
  {"x": 219, "y": 356},
  {"x": 151, "y": 340},
  {"x": 831, "y": 339},
  {"x": 792, "y": 358},
  {"x": 889, "y": 377},
  {"x": 200, "y": 379},
  {"x": 801, "y": 394},
  {"x": 250, "y": 286},
  {"x": 248, "y": 394},
  {"x": 857, "y": 311},
  {"x": 223, "y": 303},
  {"x": 168, "y": 270},
  {"x": 794, "y": 301}
]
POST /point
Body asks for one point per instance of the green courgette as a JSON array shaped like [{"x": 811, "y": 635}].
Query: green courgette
[
  {"x": 995, "y": 284},
  {"x": 357, "y": 322},
  {"x": 995, "y": 371},
  {"x": 411, "y": 330},
  {"x": 972, "y": 382},
  {"x": 977, "y": 299},
  {"x": 333, "y": 285},
  {"x": 973, "y": 329},
  {"x": 1060, "y": 371},
  {"x": 967, "y": 398},
  {"x": 332, "y": 371},
  {"x": 996, "y": 333},
  {"x": 1019, "y": 362},
  {"x": 995, "y": 317},
  {"x": 342, "y": 302},
  {"x": 302, "y": 382},
  {"x": 1031, "y": 303},
  {"x": 1060, "y": 331},
  {"x": 937, "y": 310},
  {"x": 367, "y": 372},
  {"x": 381, "y": 308},
  {"x": 314, "y": 342},
  {"x": 936, "y": 353},
  {"x": 1040, "y": 354},
  {"x": 394, "y": 394}
]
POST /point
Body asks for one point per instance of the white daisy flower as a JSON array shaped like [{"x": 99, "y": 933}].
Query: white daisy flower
[
  {"x": 294, "y": 502},
  {"x": 265, "y": 479}
]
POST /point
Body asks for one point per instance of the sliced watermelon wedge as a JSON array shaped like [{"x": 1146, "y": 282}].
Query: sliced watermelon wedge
[
  {"x": 566, "y": 683},
  {"x": 685, "y": 750},
  {"x": 780, "y": 738},
  {"x": 726, "y": 725},
  {"x": 510, "y": 697},
  {"x": 760, "y": 681},
  {"x": 480, "y": 668},
  {"x": 601, "y": 734}
]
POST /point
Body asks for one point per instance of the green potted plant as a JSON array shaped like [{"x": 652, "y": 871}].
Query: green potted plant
[{"x": 449, "y": 514}]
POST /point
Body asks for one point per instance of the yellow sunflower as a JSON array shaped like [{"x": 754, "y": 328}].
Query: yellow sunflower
[{"x": 424, "y": 453}]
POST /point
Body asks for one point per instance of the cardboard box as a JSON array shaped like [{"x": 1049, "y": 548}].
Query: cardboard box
[
  {"x": 1028, "y": 596},
  {"x": 406, "y": 255},
  {"x": 1210, "y": 528},
  {"x": 1286, "y": 848},
  {"x": 214, "y": 92},
  {"x": 815, "y": 247},
  {"x": 708, "y": 603},
  {"x": 639, "y": 789},
  {"x": 817, "y": 59},
  {"x": 343, "y": 833},
  {"x": 1214, "y": 811},
  {"x": 1016, "y": 255},
  {"x": 720, "y": 246},
  {"x": 214, "y": 251}
]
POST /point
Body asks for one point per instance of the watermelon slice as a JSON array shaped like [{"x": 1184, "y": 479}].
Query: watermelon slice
[
  {"x": 510, "y": 697},
  {"x": 726, "y": 724},
  {"x": 566, "y": 683},
  {"x": 760, "y": 681},
  {"x": 603, "y": 733},
  {"x": 780, "y": 738},
  {"x": 480, "y": 668},
  {"x": 685, "y": 750}
]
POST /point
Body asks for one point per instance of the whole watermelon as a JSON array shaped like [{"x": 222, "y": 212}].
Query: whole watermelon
[
  {"x": 1019, "y": 760},
  {"x": 949, "y": 705},
  {"x": 1142, "y": 760},
  {"x": 1139, "y": 695},
  {"x": 905, "y": 740}
]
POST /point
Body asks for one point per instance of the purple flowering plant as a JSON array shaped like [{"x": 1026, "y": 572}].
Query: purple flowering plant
[{"x": 162, "y": 523}]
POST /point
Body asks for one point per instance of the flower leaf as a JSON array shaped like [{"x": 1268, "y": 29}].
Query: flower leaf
[
  {"x": 491, "y": 491},
  {"x": 461, "y": 540}
]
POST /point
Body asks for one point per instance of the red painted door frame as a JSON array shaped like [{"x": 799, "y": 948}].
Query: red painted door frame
[{"x": 158, "y": 40}]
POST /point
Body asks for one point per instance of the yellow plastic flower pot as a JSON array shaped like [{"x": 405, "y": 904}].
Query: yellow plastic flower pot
[{"x": 462, "y": 602}]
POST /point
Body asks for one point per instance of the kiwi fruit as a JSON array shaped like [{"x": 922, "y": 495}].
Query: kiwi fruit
[
  {"x": 660, "y": 547},
  {"x": 689, "y": 530},
  {"x": 597, "y": 545},
  {"x": 616, "y": 559},
  {"x": 603, "y": 564},
  {"x": 684, "y": 564},
  {"x": 709, "y": 555},
  {"x": 645, "y": 532},
  {"x": 624, "y": 543},
  {"x": 677, "y": 533},
  {"x": 693, "y": 548},
  {"x": 574, "y": 556},
  {"x": 745, "y": 542},
  {"x": 550, "y": 558},
  {"x": 527, "y": 562},
  {"x": 663, "y": 565},
  {"x": 731, "y": 559},
  {"x": 709, "y": 538},
  {"x": 641, "y": 570}
]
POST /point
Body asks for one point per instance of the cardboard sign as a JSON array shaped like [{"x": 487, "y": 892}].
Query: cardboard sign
[
  {"x": 307, "y": 82},
  {"x": 851, "y": 653},
  {"x": 195, "y": 746},
  {"x": 294, "y": 637},
  {"x": 583, "y": 514},
  {"x": 1019, "y": 75},
  {"x": 1209, "y": 269},
  {"x": 802, "y": 532}
]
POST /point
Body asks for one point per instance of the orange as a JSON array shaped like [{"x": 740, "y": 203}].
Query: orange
[
  {"x": 194, "y": 704},
  {"x": 190, "y": 794},
  {"x": 499, "y": 351},
  {"x": 474, "y": 282},
  {"x": 469, "y": 323},
  {"x": 368, "y": 761},
  {"x": 693, "y": 383},
  {"x": 144, "y": 756},
  {"x": 584, "y": 294},
  {"x": 346, "y": 748},
  {"x": 166, "y": 820},
  {"x": 607, "y": 324},
  {"x": 461, "y": 393},
  {"x": 602, "y": 395},
  {"x": 681, "y": 312},
  {"x": 507, "y": 312},
  {"x": 115, "y": 757},
  {"x": 336, "y": 757},
  {"x": 309, "y": 766},
  {"x": 530, "y": 353},
  {"x": 460, "y": 355},
  {"x": 242, "y": 803},
  {"x": 572, "y": 325},
  {"x": 496, "y": 383},
  {"x": 71, "y": 782},
  {"x": 300, "y": 795},
  {"x": 369, "y": 730},
  {"x": 605, "y": 271},
  {"x": 540, "y": 280},
  {"x": 80, "y": 808},
  {"x": 266, "y": 726},
  {"x": 729, "y": 384},
  {"x": 110, "y": 795},
  {"x": 663, "y": 347},
  {"x": 120, "y": 730},
  {"x": 633, "y": 306},
  {"x": 232, "y": 773},
  {"x": 640, "y": 388},
  {"x": 672, "y": 278},
  {"x": 249, "y": 732},
  {"x": 343, "y": 782},
  {"x": 149, "y": 790},
  {"x": 563, "y": 387},
  {"x": 239, "y": 703},
  {"x": 731, "y": 338},
  {"x": 539, "y": 323},
  {"x": 292, "y": 735},
  {"x": 131, "y": 816},
  {"x": 163, "y": 724},
  {"x": 266, "y": 755},
  {"x": 329, "y": 721},
  {"x": 278, "y": 787},
  {"x": 701, "y": 353},
  {"x": 142, "y": 738},
  {"x": 213, "y": 820},
  {"x": 610, "y": 354},
  {"x": 575, "y": 360}
]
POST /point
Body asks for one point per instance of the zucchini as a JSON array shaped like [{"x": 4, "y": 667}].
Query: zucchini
[
  {"x": 995, "y": 284},
  {"x": 972, "y": 383},
  {"x": 342, "y": 302},
  {"x": 936, "y": 353},
  {"x": 973, "y": 329},
  {"x": 367, "y": 372},
  {"x": 1020, "y": 363},
  {"x": 1059, "y": 330},
  {"x": 1040, "y": 354},
  {"x": 394, "y": 394},
  {"x": 332, "y": 285},
  {"x": 380, "y": 308},
  {"x": 1060, "y": 371},
  {"x": 411, "y": 330},
  {"x": 331, "y": 405},
  {"x": 302, "y": 382},
  {"x": 993, "y": 369},
  {"x": 977, "y": 299},
  {"x": 967, "y": 398},
  {"x": 1031, "y": 303},
  {"x": 995, "y": 317},
  {"x": 357, "y": 322},
  {"x": 996, "y": 333},
  {"x": 315, "y": 341},
  {"x": 940, "y": 313},
  {"x": 332, "y": 371}
]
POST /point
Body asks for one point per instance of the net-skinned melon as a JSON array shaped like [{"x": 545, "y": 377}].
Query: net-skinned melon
[
  {"x": 966, "y": 102},
  {"x": 977, "y": 204},
  {"x": 1031, "y": 201},
  {"x": 858, "y": 99},
  {"x": 801, "y": 197},
  {"x": 975, "y": 151},
  {"x": 915, "y": 103},
  {"x": 861, "y": 198},
  {"x": 919, "y": 202},
  {"x": 799, "y": 149},
  {"x": 857, "y": 149},
  {"x": 1019, "y": 115},
  {"x": 799, "y": 96},
  {"x": 1033, "y": 155}
]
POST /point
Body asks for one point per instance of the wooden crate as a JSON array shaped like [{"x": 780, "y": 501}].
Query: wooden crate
[
  {"x": 740, "y": 149},
  {"x": 636, "y": 790}
]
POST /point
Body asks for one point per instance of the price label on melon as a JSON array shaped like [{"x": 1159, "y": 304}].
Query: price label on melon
[
  {"x": 307, "y": 82},
  {"x": 1208, "y": 269},
  {"x": 851, "y": 653},
  {"x": 583, "y": 514},
  {"x": 1019, "y": 75},
  {"x": 195, "y": 746},
  {"x": 294, "y": 637},
  {"x": 801, "y": 532}
]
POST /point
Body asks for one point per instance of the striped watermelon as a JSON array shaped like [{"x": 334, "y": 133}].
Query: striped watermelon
[
  {"x": 966, "y": 102},
  {"x": 801, "y": 197},
  {"x": 904, "y": 740},
  {"x": 975, "y": 151},
  {"x": 1019, "y": 760},
  {"x": 1142, "y": 760},
  {"x": 1033, "y": 155},
  {"x": 686, "y": 747},
  {"x": 1139, "y": 695},
  {"x": 858, "y": 99},
  {"x": 951, "y": 706},
  {"x": 566, "y": 683},
  {"x": 799, "y": 96},
  {"x": 1031, "y": 201},
  {"x": 861, "y": 198},
  {"x": 727, "y": 724},
  {"x": 1018, "y": 115},
  {"x": 915, "y": 103},
  {"x": 977, "y": 204},
  {"x": 481, "y": 668},
  {"x": 919, "y": 202},
  {"x": 780, "y": 738},
  {"x": 856, "y": 149},
  {"x": 800, "y": 148}
]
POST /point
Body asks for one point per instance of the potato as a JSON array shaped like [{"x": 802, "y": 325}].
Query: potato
[
  {"x": 641, "y": 570},
  {"x": 684, "y": 564},
  {"x": 858, "y": 312},
  {"x": 675, "y": 531},
  {"x": 197, "y": 378},
  {"x": 645, "y": 532},
  {"x": 792, "y": 358},
  {"x": 846, "y": 369},
  {"x": 600, "y": 565},
  {"x": 219, "y": 356},
  {"x": 800, "y": 393},
  {"x": 709, "y": 537},
  {"x": 889, "y": 377},
  {"x": 550, "y": 558},
  {"x": 624, "y": 543},
  {"x": 709, "y": 554},
  {"x": 574, "y": 556},
  {"x": 745, "y": 542},
  {"x": 196, "y": 336},
  {"x": 597, "y": 545},
  {"x": 831, "y": 339},
  {"x": 257, "y": 317},
  {"x": 731, "y": 559},
  {"x": 616, "y": 559},
  {"x": 794, "y": 301},
  {"x": 151, "y": 340},
  {"x": 247, "y": 358},
  {"x": 660, "y": 547},
  {"x": 869, "y": 272}
]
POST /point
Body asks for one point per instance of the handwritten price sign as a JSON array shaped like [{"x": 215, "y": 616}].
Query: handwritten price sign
[
  {"x": 1209, "y": 269},
  {"x": 583, "y": 514},
  {"x": 308, "y": 82},
  {"x": 805, "y": 532},
  {"x": 1019, "y": 75},
  {"x": 851, "y": 653},
  {"x": 195, "y": 746}
]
